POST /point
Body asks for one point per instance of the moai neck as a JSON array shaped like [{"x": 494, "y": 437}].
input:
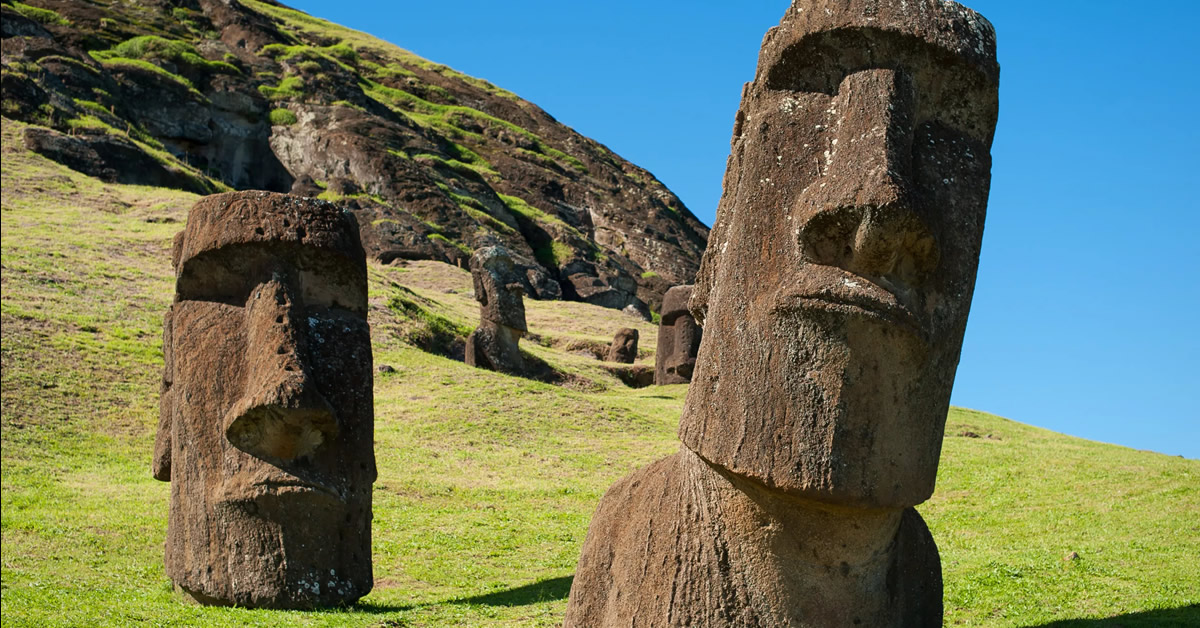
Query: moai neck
[{"x": 819, "y": 565}]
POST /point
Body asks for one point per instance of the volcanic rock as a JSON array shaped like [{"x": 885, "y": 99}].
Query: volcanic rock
[
  {"x": 624, "y": 346},
  {"x": 498, "y": 289},
  {"x": 266, "y": 424},
  {"x": 834, "y": 295},
  {"x": 678, "y": 339},
  {"x": 206, "y": 95}
]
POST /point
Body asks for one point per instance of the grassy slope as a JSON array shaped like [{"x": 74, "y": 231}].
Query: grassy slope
[{"x": 486, "y": 482}]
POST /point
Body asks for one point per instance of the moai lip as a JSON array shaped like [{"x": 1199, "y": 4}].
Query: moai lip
[{"x": 267, "y": 415}]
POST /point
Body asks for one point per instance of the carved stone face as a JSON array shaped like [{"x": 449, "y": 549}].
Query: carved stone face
[
  {"x": 498, "y": 288},
  {"x": 836, "y": 285},
  {"x": 624, "y": 347},
  {"x": 266, "y": 432},
  {"x": 678, "y": 339}
]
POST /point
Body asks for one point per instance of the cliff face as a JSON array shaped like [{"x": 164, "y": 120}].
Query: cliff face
[{"x": 209, "y": 95}]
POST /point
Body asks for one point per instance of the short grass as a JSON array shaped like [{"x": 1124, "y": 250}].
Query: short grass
[{"x": 486, "y": 481}]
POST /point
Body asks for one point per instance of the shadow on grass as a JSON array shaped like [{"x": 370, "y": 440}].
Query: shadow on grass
[
  {"x": 1182, "y": 617},
  {"x": 543, "y": 591}
]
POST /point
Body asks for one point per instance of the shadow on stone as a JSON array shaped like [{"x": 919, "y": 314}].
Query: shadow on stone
[
  {"x": 1162, "y": 618},
  {"x": 542, "y": 591}
]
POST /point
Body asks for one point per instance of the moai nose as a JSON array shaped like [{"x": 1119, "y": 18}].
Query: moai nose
[
  {"x": 864, "y": 221},
  {"x": 281, "y": 416}
]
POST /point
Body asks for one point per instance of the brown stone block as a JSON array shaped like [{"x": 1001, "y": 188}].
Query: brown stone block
[{"x": 266, "y": 427}]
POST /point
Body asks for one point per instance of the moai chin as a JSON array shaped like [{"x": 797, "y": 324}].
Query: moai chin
[
  {"x": 267, "y": 414},
  {"x": 624, "y": 346},
  {"x": 678, "y": 339},
  {"x": 494, "y": 343},
  {"x": 834, "y": 295}
]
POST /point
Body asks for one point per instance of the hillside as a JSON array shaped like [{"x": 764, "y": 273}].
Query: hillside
[
  {"x": 486, "y": 482},
  {"x": 206, "y": 95}
]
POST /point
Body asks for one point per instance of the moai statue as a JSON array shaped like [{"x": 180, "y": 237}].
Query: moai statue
[
  {"x": 834, "y": 295},
  {"x": 266, "y": 430},
  {"x": 493, "y": 345},
  {"x": 678, "y": 339},
  {"x": 624, "y": 346}
]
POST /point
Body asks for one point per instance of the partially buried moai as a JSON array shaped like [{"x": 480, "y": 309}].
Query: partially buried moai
[
  {"x": 494, "y": 343},
  {"x": 624, "y": 347},
  {"x": 833, "y": 294},
  {"x": 678, "y": 339},
  {"x": 267, "y": 417}
]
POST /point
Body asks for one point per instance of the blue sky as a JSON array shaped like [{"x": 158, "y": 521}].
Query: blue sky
[{"x": 1086, "y": 309}]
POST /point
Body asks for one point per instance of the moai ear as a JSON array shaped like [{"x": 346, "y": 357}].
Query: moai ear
[
  {"x": 176, "y": 250},
  {"x": 160, "y": 466},
  {"x": 481, "y": 294}
]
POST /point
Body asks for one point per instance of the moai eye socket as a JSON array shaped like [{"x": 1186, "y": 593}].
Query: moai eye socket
[
  {"x": 230, "y": 274},
  {"x": 949, "y": 89}
]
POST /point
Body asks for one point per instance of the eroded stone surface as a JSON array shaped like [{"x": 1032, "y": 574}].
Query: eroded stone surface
[
  {"x": 678, "y": 339},
  {"x": 624, "y": 346},
  {"x": 682, "y": 542},
  {"x": 833, "y": 294},
  {"x": 498, "y": 288},
  {"x": 267, "y": 417}
]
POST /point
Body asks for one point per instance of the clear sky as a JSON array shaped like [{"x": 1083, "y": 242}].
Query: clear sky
[{"x": 1086, "y": 311}]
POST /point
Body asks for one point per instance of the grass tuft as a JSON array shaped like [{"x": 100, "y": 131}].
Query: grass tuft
[
  {"x": 282, "y": 117},
  {"x": 47, "y": 17}
]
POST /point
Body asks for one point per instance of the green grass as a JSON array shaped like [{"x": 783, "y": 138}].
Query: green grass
[
  {"x": 43, "y": 16},
  {"x": 116, "y": 64},
  {"x": 486, "y": 482},
  {"x": 289, "y": 87},
  {"x": 454, "y": 243},
  {"x": 553, "y": 254},
  {"x": 283, "y": 117},
  {"x": 442, "y": 117},
  {"x": 155, "y": 48}
]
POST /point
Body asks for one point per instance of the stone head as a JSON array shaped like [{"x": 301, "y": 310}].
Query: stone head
[
  {"x": 498, "y": 287},
  {"x": 266, "y": 428},
  {"x": 624, "y": 347},
  {"x": 836, "y": 284},
  {"x": 679, "y": 336}
]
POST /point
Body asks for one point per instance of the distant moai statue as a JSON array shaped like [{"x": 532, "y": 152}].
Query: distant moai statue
[
  {"x": 266, "y": 428},
  {"x": 678, "y": 339},
  {"x": 494, "y": 344},
  {"x": 624, "y": 346},
  {"x": 834, "y": 295}
]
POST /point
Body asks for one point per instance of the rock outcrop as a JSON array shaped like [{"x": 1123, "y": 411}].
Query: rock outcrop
[
  {"x": 218, "y": 94},
  {"x": 267, "y": 414},
  {"x": 834, "y": 295},
  {"x": 678, "y": 339}
]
